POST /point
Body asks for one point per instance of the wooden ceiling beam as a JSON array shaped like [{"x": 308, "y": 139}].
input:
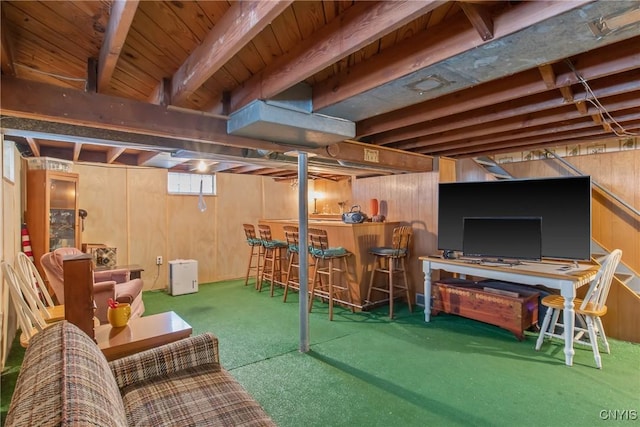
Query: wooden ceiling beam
[
  {"x": 537, "y": 134},
  {"x": 556, "y": 139},
  {"x": 146, "y": 156},
  {"x": 266, "y": 171},
  {"x": 615, "y": 85},
  {"x": 33, "y": 146},
  {"x": 247, "y": 168},
  {"x": 438, "y": 44},
  {"x": 222, "y": 166},
  {"x": 548, "y": 75},
  {"x": 41, "y": 101},
  {"x": 114, "y": 153},
  {"x": 582, "y": 107},
  {"x": 122, "y": 13},
  {"x": 566, "y": 140},
  {"x": 510, "y": 126},
  {"x": 77, "y": 148},
  {"x": 480, "y": 18},
  {"x": 567, "y": 94},
  {"x": 357, "y": 27},
  {"x": 593, "y": 65},
  {"x": 583, "y": 128},
  {"x": 597, "y": 118},
  {"x": 238, "y": 26}
]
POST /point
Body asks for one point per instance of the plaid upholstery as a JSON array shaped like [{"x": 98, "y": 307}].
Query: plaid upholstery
[
  {"x": 199, "y": 396},
  {"x": 65, "y": 381},
  {"x": 166, "y": 360},
  {"x": 183, "y": 384}
]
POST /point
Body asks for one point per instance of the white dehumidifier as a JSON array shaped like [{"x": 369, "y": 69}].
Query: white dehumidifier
[{"x": 183, "y": 276}]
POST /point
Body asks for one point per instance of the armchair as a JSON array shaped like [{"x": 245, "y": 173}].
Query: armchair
[{"x": 107, "y": 284}]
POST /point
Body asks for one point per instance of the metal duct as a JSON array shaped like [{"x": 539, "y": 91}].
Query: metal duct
[{"x": 266, "y": 121}]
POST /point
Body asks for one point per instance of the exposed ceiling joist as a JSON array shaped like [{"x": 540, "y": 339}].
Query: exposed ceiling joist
[
  {"x": 114, "y": 153},
  {"x": 122, "y": 13},
  {"x": 34, "y": 146},
  {"x": 77, "y": 148},
  {"x": 441, "y": 78},
  {"x": 26, "y": 99},
  {"x": 360, "y": 24},
  {"x": 420, "y": 51},
  {"x": 599, "y": 63},
  {"x": 480, "y": 18},
  {"x": 242, "y": 22}
]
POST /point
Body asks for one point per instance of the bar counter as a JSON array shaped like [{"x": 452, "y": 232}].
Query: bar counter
[{"x": 356, "y": 238}]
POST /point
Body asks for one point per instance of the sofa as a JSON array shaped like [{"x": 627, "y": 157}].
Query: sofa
[
  {"x": 65, "y": 380},
  {"x": 115, "y": 284}
]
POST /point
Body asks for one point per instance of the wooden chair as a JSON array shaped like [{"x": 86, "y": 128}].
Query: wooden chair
[
  {"x": 256, "y": 251},
  {"x": 30, "y": 321},
  {"x": 272, "y": 258},
  {"x": 591, "y": 309},
  {"x": 328, "y": 262},
  {"x": 35, "y": 290},
  {"x": 293, "y": 251},
  {"x": 391, "y": 261}
]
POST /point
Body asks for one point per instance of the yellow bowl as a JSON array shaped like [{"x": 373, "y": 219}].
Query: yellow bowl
[{"x": 119, "y": 316}]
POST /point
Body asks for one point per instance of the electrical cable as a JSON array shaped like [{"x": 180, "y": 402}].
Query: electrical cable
[
  {"x": 602, "y": 111},
  {"x": 58, "y": 76}
]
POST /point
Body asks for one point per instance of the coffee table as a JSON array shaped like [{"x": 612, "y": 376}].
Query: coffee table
[{"x": 141, "y": 334}]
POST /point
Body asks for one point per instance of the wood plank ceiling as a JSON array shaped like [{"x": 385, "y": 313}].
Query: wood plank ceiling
[{"x": 154, "y": 82}]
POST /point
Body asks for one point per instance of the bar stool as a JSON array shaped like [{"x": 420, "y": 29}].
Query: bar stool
[
  {"x": 391, "y": 260},
  {"x": 256, "y": 252},
  {"x": 272, "y": 258},
  {"x": 291, "y": 235},
  {"x": 327, "y": 262}
]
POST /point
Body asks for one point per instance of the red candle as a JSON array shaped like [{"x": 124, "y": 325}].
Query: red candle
[{"x": 373, "y": 207}]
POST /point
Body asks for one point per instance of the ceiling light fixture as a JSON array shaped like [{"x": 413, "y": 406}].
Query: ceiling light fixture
[{"x": 202, "y": 166}]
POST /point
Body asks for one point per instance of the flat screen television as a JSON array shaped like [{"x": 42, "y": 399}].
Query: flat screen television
[
  {"x": 564, "y": 204},
  {"x": 502, "y": 238}
]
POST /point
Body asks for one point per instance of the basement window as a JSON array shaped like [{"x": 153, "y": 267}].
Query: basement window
[
  {"x": 9, "y": 160},
  {"x": 190, "y": 183}
]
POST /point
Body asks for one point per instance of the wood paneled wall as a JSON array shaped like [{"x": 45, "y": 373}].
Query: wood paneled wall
[
  {"x": 612, "y": 227},
  {"x": 619, "y": 172},
  {"x": 10, "y": 243},
  {"x": 129, "y": 209},
  {"x": 412, "y": 200},
  {"x": 333, "y": 193}
]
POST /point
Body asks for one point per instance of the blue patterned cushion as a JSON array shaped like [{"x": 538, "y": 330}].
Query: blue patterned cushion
[
  {"x": 388, "y": 251},
  {"x": 271, "y": 244},
  {"x": 293, "y": 248},
  {"x": 254, "y": 242},
  {"x": 328, "y": 253}
]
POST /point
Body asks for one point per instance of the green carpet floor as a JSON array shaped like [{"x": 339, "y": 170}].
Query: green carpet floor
[{"x": 364, "y": 370}]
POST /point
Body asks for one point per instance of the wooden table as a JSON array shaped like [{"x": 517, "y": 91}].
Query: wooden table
[
  {"x": 141, "y": 334},
  {"x": 550, "y": 274},
  {"x": 134, "y": 269}
]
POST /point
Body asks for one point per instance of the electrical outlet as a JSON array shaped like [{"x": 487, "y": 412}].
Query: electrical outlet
[{"x": 158, "y": 260}]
